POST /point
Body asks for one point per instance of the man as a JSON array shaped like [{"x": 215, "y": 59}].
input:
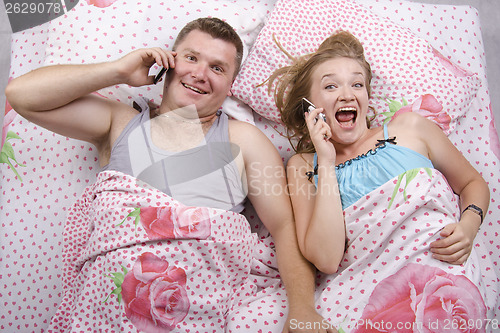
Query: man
[{"x": 201, "y": 69}]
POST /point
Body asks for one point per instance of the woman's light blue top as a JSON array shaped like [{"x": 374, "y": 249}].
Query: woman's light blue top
[{"x": 361, "y": 175}]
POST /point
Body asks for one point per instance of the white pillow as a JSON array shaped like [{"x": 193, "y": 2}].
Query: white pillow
[
  {"x": 103, "y": 30},
  {"x": 403, "y": 65}
]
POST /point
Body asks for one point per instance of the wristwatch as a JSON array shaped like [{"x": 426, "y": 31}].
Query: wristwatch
[{"x": 476, "y": 210}]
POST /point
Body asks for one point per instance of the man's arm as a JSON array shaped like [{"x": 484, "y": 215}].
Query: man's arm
[
  {"x": 267, "y": 190},
  {"x": 59, "y": 97}
]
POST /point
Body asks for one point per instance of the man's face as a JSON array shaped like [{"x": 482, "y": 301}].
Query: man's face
[{"x": 203, "y": 73}]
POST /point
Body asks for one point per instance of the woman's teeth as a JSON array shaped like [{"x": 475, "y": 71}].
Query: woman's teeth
[{"x": 346, "y": 116}]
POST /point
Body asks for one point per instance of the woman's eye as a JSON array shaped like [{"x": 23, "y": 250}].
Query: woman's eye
[
  {"x": 330, "y": 86},
  {"x": 190, "y": 57},
  {"x": 359, "y": 85}
]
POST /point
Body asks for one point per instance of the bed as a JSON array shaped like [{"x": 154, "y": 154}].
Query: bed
[{"x": 421, "y": 55}]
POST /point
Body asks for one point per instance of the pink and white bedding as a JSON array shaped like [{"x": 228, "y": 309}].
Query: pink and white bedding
[
  {"x": 42, "y": 174},
  {"x": 388, "y": 279},
  {"x": 135, "y": 258},
  {"x": 387, "y": 264}
]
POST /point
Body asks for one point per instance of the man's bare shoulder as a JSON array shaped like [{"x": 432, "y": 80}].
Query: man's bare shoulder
[
  {"x": 241, "y": 132},
  {"x": 120, "y": 115},
  {"x": 254, "y": 144}
]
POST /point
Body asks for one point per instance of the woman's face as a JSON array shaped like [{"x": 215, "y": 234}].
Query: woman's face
[{"x": 339, "y": 86}]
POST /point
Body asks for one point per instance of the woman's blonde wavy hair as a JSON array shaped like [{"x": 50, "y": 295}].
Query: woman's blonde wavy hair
[{"x": 294, "y": 82}]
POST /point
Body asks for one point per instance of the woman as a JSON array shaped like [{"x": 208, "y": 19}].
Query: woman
[
  {"x": 378, "y": 206},
  {"x": 340, "y": 158}
]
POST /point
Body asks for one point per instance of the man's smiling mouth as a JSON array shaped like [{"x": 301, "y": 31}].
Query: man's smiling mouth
[{"x": 199, "y": 91}]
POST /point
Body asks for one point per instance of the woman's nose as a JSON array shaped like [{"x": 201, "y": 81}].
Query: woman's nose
[{"x": 346, "y": 94}]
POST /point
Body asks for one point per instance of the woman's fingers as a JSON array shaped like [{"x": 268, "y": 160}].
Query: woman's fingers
[{"x": 316, "y": 124}]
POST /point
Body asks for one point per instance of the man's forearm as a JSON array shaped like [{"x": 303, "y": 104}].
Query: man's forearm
[
  {"x": 297, "y": 273},
  {"x": 51, "y": 87}
]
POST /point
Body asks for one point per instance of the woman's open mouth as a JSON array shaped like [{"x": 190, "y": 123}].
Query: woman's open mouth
[{"x": 346, "y": 116}]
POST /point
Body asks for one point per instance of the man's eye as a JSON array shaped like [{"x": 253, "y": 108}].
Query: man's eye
[{"x": 218, "y": 69}]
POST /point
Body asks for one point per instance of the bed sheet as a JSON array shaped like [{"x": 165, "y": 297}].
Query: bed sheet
[
  {"x": 387, "y": 280},
  {"x": 53, "y": 171},
  {"x": 49, "y": 171},
  {"x": 129, "y": 249},
  {"x": 456, "y": 33}
]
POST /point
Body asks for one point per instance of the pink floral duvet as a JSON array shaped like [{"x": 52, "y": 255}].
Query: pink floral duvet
[
  {"x": 135, "y": 259},
  {"x": 388, "y": 280}
]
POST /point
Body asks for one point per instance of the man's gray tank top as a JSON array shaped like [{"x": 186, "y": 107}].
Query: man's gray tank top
[{"x": 205, "y": 176}]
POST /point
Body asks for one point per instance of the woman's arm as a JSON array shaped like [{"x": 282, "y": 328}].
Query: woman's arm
[
  {"x": 465, "y": 181},
  {"x": 318, "y": 212}
]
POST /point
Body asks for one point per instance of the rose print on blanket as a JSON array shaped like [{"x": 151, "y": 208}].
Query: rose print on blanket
[
  {"x": 454, "y": 68},
  {"x": 494, "y": 140},
  {"x": 427, "y": 106},
  {"x": 7, "y": 151},
  {"x": 153, "y": 293},
  {"x": 101, "y": 3},
  {"x": 176, "y": 222},
  {"x": 422, "y": 298}
]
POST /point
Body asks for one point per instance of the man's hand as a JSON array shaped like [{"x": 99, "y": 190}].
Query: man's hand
[
  {"x": 307, "y": 320},
  {"x": 134, "y": 67}
]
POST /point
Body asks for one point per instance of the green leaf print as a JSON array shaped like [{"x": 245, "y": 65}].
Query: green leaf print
[
  {"x": 409, "y": 175},
  {"x": 136, "y": 215},
  {"x": 117, "y": 278},
  {"x": 394, "y": 107},
  {"x": 7, "y": 154}
]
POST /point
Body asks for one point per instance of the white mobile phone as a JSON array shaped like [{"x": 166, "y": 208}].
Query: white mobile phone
[{"x": 307, "y": 106}]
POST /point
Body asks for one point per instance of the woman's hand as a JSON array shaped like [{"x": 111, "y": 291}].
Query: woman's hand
[
  {"x": 320, "y": 133},
  {"x": 456, "y": 244}
]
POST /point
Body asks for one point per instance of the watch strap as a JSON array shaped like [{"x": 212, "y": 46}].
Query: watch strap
[{"x": 476, "y": 210}]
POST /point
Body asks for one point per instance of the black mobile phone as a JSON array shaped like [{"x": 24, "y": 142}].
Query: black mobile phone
[
  {"x": 159, "y": 75},
  {"x": 307, "y": 106}
]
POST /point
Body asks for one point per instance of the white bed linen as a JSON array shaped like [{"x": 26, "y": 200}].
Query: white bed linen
[{"x": 57, "y": 169}]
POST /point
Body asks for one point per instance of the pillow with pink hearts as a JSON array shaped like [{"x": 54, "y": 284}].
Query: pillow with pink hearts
[
  {"x": 405, "y": 67},
  {"x": 104, "y": 30}
]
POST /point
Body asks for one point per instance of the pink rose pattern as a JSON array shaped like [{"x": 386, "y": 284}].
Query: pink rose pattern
[
  {"x": 101, "y": 3},
  {"x": 455, "y": 69},
  {"x": 153, "y": 293},
  {"x": 175, "y": 222},
  {"x": 429, "y": 107},
  {"x": 494, "y": 141},
  {"x": 425, "y": 297}
]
